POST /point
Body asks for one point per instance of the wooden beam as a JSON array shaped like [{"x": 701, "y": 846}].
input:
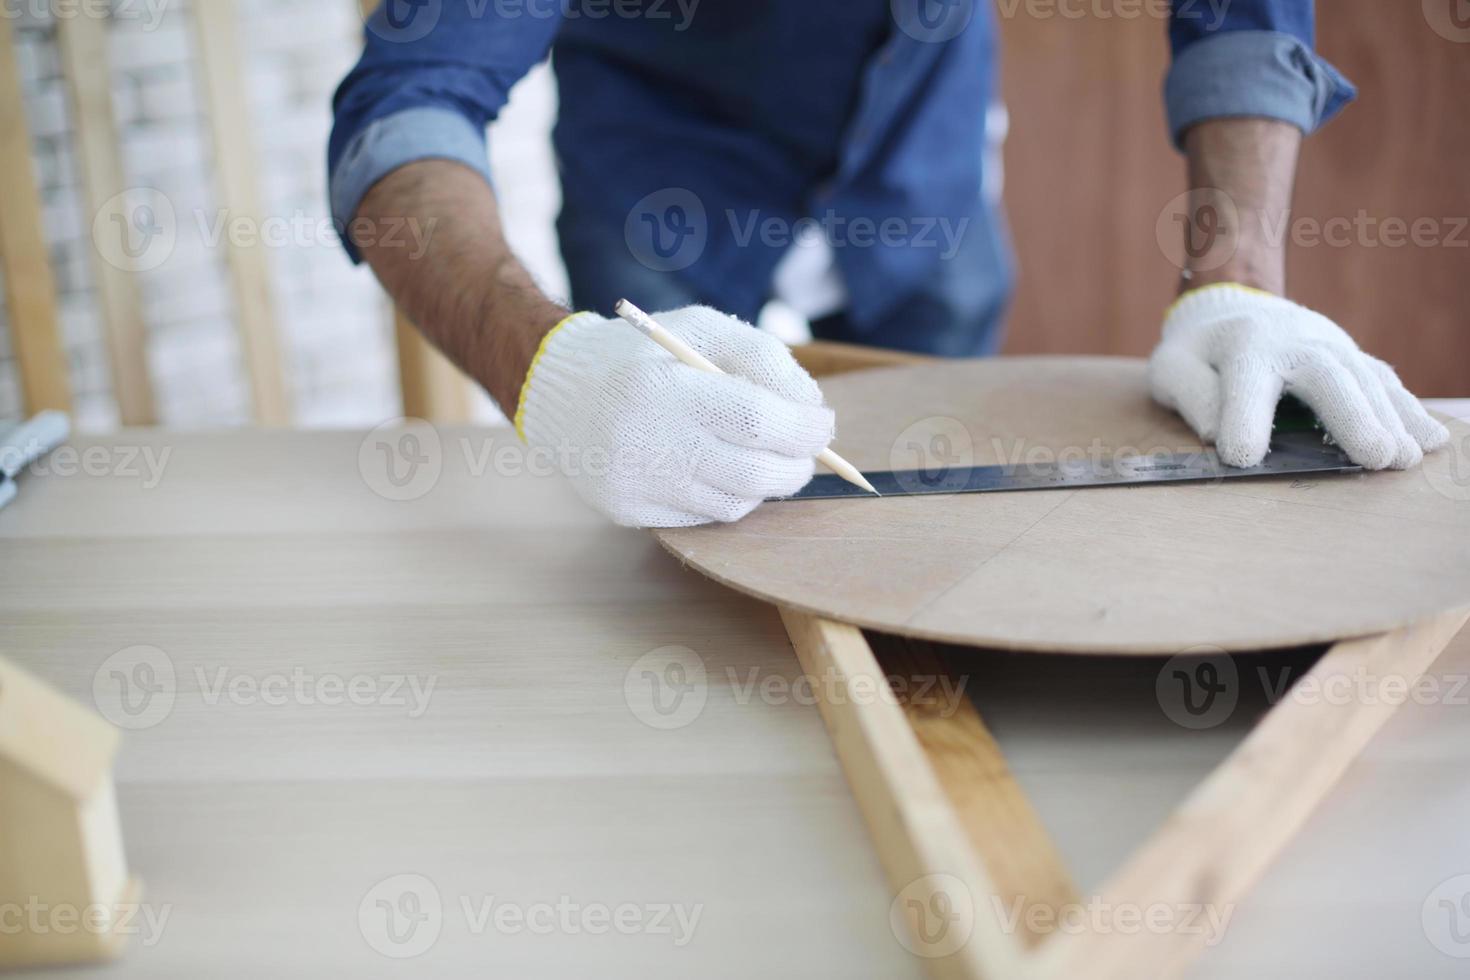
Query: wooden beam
[
  {"x": 30, "y": 290},
  {"x": 83, "y": 45},
  {"x": 431, "y": 386},
  {"x": 1213, "y": 848},
  {"x": 1002, "y": 826},
  {"x": 216, "y": 27},
  {"x": 938, "y": 884}
]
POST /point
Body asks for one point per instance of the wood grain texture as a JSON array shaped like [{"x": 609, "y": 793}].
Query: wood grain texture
[
  {"x": 1220, "y": 840},
  {"x": 1084, "y": 187},
  {"x": 1002, "y": 826},
  {"x": 82, "y": 42},
  {"x": 431, "y": 386},
  {"x": 926, "y": 852},
  {"x": 262, "y": 827},
  {"x": 216, "y": 27},
  {"x": 30, "y": 289},
  {"x": 261, "y": 822},
  {"x": 1242, "y": 565}
]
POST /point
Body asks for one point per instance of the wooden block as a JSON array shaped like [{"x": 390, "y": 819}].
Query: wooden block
[{"x": 61, "y": 849}]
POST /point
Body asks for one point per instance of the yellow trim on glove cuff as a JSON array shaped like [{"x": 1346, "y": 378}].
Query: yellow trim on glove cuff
[
  {"x": 520, "y": 418},
  {"x": 1216, "y": 285}
]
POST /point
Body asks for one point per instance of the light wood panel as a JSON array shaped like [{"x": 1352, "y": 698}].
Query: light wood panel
[
  {"x": 1243, "y": 565},
  {"x": 216, "y": 29},
  {"x": 82, "y": 42},
  {"x": 524, "y": 767},
  {"x": 30, "y": 290},
  {"x": 1090, "y": 169},
  {"x": 259, "y": 553}
]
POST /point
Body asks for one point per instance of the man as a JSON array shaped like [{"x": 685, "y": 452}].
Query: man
[{"x": 714, "y": 122}]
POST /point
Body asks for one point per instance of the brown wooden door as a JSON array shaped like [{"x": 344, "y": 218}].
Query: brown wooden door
[{"x": 1090, "y": 168}]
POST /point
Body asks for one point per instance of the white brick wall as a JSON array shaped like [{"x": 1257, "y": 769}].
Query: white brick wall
[{"x": 332, "y": 317}]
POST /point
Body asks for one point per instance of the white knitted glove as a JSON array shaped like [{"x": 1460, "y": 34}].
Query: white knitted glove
[
  {"x": 652, "y": 442},
  {"x": 1228, "y": 353}
]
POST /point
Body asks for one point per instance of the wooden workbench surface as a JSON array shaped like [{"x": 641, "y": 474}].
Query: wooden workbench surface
[{"x": 264, "y": 820}]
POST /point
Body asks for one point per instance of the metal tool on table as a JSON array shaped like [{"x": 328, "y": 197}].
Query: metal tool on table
[
  {"x": 1298, "y": 446},
  {"x": 27, "y": 442}
]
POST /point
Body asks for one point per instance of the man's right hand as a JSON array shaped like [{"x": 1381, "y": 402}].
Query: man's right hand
[{"x": 652, "y": 442}]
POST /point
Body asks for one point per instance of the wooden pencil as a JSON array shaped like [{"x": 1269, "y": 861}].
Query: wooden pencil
[{"x": 650, "y": 328}]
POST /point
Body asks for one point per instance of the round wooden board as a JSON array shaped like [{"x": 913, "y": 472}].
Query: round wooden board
[{"x": 1239, "y": 565}]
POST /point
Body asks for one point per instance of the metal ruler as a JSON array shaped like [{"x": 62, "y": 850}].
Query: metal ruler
[{"x": 1292, "y": 452}]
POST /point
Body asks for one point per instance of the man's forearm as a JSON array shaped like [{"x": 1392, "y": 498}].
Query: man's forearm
[
  {"x": 1241, "y": 173},
  {"x": 463, "y": 288}
]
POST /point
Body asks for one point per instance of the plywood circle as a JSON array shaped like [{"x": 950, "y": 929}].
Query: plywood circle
[{"x": 1238, "y": 565}]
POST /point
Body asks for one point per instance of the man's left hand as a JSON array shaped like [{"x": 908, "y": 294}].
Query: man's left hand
[{"x": 1229, "y": 352}]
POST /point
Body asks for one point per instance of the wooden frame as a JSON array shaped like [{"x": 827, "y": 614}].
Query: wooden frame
[
  {"x": 947, "y": 816},
  {"x": 432, "y": 387},
  {"x": 30, "y": 289},
  {"x": 215, "y": 29},
  {"x": 949, "y": 820},
  {"x": 82, "y": 42}
]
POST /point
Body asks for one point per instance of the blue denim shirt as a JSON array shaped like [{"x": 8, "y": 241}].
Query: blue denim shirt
[{"x": 702, "y": 137}]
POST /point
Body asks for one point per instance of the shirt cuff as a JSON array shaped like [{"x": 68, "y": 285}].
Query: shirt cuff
[
  {"x": 1253, "y": 73},
  {"x": 384, "y": 145}
]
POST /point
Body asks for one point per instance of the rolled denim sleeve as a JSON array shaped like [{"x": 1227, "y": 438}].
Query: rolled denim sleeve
[
  {"x": 1249, "y": 58},
  {"x": 433, "y": 75}
]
